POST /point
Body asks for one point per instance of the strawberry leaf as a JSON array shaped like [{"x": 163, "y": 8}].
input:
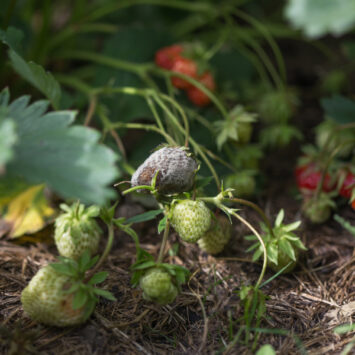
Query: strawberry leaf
[
  {"x": 146, "y": 216},
  {"x": 49, "y": 150},
  {"x": 98, "y": 278},
  {"x": 257, "y": 254},
  {"x": 80, "y": 298},
  {"x": 272, "y": 253},
  {"x": 287, "y": 248},
  {"x": 104, "y": 293},
  {"x": 162, "y": 224},
  {"x": 64, "y": 269},
  {"x": 279, "y": 218}
]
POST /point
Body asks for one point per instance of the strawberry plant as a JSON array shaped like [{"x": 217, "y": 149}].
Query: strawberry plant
[{"x": 191, "y": 108}]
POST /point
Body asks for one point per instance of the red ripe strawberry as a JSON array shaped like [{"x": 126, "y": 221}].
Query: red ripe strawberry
[
  {"x": 348, "y": 185},
  {"x": 198, "y": 97},
  {"x": 353, "y": 205},
  {"x": 308, "y": 177},
  {"x": 165, "y": 57},
  {"x": 184, "y": 66}
]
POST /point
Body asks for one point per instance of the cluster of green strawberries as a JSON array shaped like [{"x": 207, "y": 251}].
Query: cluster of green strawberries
[
  {"x": 174, "y": 169},
  {"x": 179, "y": 58},
  {"x": 57, "y": 295}
]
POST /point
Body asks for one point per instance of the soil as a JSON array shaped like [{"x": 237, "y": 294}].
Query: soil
[{"x": 302, "y": 308}]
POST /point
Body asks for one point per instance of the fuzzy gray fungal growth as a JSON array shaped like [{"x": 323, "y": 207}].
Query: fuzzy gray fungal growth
[{"x": 176, "y": 170}]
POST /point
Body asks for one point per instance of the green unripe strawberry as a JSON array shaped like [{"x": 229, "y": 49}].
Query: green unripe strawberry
[
  {"x": 243, "y": 183},
  {"x": 318, "y": 210},
  {"x": 191, "y": 220},
  {"x": 76, "y": 231},
  {"x": 283, "y": 259},
  {"x": 214, "y": 240},
  {"x": 282, "y": 245},
  {"x": 158, "y": 286},
  {"x": 45, "y": 299},
  {"x": 277, "y": 106},
  {"x": 327, "y": 136}
]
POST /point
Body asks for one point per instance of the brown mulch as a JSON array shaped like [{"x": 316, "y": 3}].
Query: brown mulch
[{"x": 308, "y": 303}]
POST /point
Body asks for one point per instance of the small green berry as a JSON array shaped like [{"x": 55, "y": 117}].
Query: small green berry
[
  {"x": 158, "y": 287},
  {"x": 76, "y": 231},
  {"x": 214, "y": 240},
  {"x": 191, "y": 220}
]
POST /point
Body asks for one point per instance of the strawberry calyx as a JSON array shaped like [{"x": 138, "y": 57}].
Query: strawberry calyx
[{"x": 283, "y": 247}]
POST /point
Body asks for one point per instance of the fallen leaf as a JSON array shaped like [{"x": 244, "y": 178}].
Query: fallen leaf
[{"x": 28, "y": 212}]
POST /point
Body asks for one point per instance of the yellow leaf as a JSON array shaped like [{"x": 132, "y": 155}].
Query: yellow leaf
[{"x": 28, "y": 212}]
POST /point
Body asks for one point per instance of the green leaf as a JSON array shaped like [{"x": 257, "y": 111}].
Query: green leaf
[
  {"x": 84, "y": 261},
  {"x": 344, "y": 328},
  {"x": 144, "y": 265},
  {"x": 162, "y": 224},
  {"x": 272, "y": 252},
  {"x": 98, "y": 278},
  {"x": 275, "y": 275},
  {"x": 287, "y": 248},
  {"x": 251, "y": 237},
  {"x": 292, "y": 226},
  {"x": 107, "y": 214},
  {"x": 8, "y": 138},
  {"x": 252, "y": 247},
  {"x": 257, "y": 254},
  {"x": 92, "y": 262},
  {"x": 146, "y": 216},
  {"x": 73, "y": 288},
  {"x": 12, "y": 37},
  {"x": 298, "y": 244},
  {"x": 37, "y": 76},
  {"x": 319, "y": 17},
  {"x": 131, "y": 233},
  {"x": 104, "y": 293},
  {"x": 266, "y": 349},
  {"x": 80, "y": 298},
  {"x": 340, "y": 109},
  {"x": 64, "y": 269},
  {"x": 279, "y": 218},
  {"x": 345, "y": 224},
  {"x": 67, "y": 158}
]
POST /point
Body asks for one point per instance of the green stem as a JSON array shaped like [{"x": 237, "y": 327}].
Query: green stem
[
  {"x": 182, "y": 114},
  {"x": 104, "y": 254},
  {"x": 155, "y": 113},
  {"x": 264, "y": 31},
  {"x": 138, "y": 69},
  {"x": 183, "y": 5},
  {"x": 164, "y": 242},
  {"x": 135, "y": 188},
  {"x": 147, "y": 127},
  {"x": 256, "y": 208},
  {"x": 253, "y": 230},
  {"x": 194, "y": 82},
  {"x": 218, "y": 201}
]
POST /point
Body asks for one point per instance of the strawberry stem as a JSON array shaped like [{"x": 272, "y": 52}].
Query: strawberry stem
[
  {"x": 256, "y": 208},
  {"x": 164, "y": 241},
  {"x": 104, "y": 254},
  {"x": 262, "y": 244}
]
